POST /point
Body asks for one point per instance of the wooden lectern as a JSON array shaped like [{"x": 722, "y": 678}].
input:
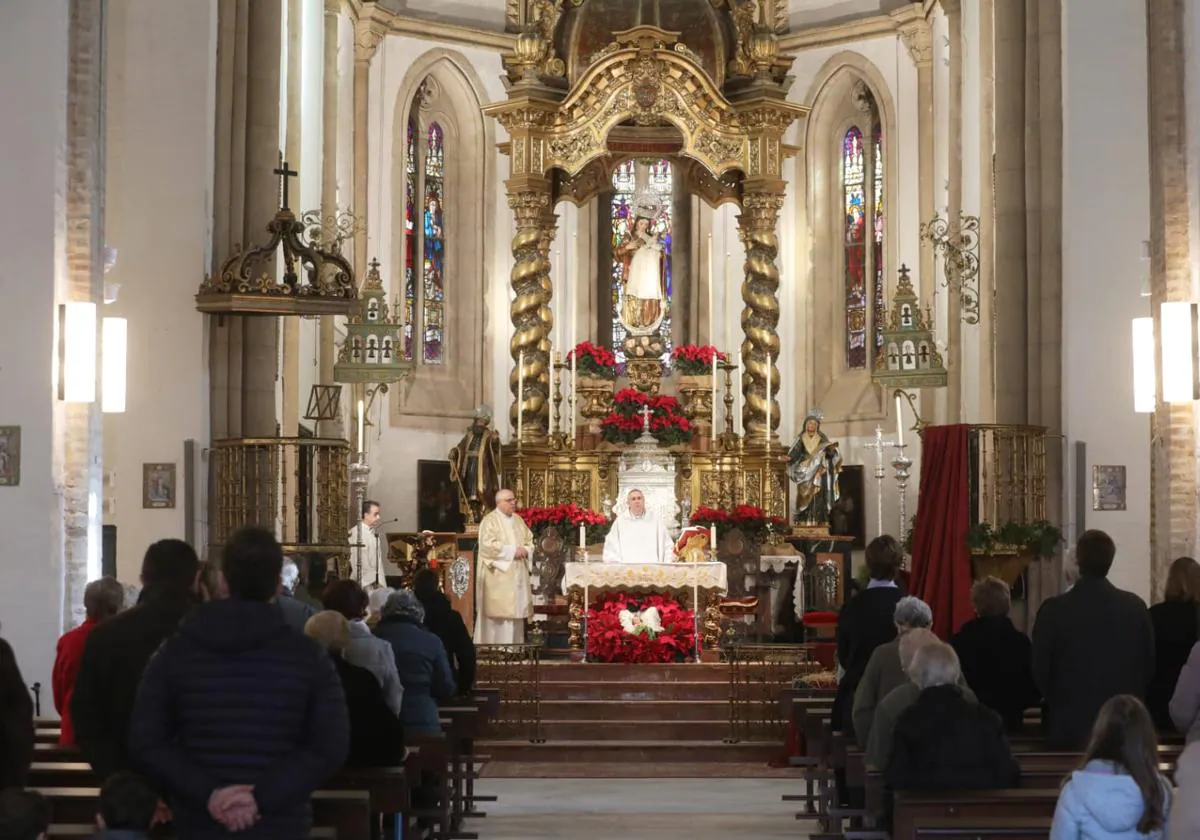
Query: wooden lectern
[{"x": 451, "y": 555}]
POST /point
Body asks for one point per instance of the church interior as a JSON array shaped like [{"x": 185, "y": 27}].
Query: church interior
[{"x": 799, "y": 273}]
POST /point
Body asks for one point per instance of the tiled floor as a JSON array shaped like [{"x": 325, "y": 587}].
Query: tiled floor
[{"x": 619, "y": 809}]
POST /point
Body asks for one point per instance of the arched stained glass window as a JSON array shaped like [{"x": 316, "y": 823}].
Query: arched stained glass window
[
  {"x": 877, "y": 249},
  {"x": 641, "y": 189},
  {"x": 424, "y": 241},
  {"x": 854, "y": 196}
]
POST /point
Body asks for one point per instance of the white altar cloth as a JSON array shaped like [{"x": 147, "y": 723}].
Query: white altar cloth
[{"x": 646, "y": 577}]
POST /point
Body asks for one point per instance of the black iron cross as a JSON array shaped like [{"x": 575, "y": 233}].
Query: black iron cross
[{"x": 284, "y": 173}]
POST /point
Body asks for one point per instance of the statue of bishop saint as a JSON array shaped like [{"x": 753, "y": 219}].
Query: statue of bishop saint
[
  {"x": 638, "y": 535},
  {"x": 503, "y": 595}
]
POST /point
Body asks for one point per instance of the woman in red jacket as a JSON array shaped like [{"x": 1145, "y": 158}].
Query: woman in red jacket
[{"x": 102, "y": 599}]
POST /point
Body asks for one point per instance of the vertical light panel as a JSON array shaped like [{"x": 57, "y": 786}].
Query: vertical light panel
[
  {"x": 114, "y": 337},
  {"x": 77, "y": 352},
  {"x": 1177, "y": 320},
  {"x": 1143, "y": 365}
]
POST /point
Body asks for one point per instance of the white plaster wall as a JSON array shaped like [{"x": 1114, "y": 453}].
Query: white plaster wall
[
  {"x": 33, "y": 84},
  {"x": 160, "y": 128},
  {"x": 1105, "y": 219},
  {"x": 394, "y": 452}
]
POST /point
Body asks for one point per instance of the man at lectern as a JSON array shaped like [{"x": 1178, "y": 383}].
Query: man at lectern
[
  {"x": 638, "y": 535},
  {"x": 504, "y": 598}
]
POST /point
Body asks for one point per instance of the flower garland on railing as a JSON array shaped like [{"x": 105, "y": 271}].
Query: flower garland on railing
[
  {"x": 646, "y": 628},
  {"x": 667, "y": 423},
  {"x": 749, "y": 519},
  {"x": 695, "y": 359},
  {"x": 594, "y": 360},
  {"x": 566, "y": 519}
]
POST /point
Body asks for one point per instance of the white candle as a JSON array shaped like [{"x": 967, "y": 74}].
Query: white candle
[
  {"x": 713, "y": 419},
  {"x": 574, "y": 402},
  {"x": 570, "y": 259},
  {"x": 738, "y": 414},
  {"x": 712, "y": 536},
  {"x": 560, "y": 291},
  {"x": 712, "y": 312},
  {"x": 582, "y": 536},
  {"x": 899, "y": 421},
  {"x": 520, "y": 392},
  {"x": 768, "y": 409},
  {"x": 729, "y": 313},
  {"x": 362, "y": 428}
]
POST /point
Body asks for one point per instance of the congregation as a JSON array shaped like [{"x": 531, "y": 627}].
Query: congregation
[
  {"x": 1109, "y": 676},
  {"x": 223, "y": 698}
]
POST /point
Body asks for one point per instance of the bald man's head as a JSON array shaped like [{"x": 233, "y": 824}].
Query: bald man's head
[{"x": 506, "y": 502}]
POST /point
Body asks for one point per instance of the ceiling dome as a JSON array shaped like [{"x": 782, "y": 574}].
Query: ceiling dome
[{"x": 586, "y": 30}]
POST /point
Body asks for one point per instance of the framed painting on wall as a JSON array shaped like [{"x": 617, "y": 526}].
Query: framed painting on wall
[
  {"x": 1108, "y": 487},
  {"x": 158, "y": 486},
  {"x": 437, "y": 499},
  {"x": 849, "y": 514}
]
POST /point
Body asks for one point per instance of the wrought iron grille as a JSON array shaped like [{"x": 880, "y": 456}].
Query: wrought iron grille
[
  {"x": 513, "y": 670},
  {"x": 757, "y": 675}
]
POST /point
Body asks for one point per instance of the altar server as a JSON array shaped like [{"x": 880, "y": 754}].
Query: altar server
[
  {"x": 638, "y": 535},
  {"x": 503, "y": 594},
  {"x": 364, "y": 549}
]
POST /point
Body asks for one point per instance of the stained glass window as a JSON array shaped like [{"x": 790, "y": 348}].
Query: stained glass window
[
  {"x": 877, "y": 256},
  {"x": 410, "y": 238},
  {"x": 854, "y": 183},
  {"x": 651, "y": 184},
  {"x": 434, "y": 250}
]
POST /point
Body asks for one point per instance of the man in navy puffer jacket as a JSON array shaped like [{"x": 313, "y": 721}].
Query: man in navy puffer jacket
[{"x": 239, "y": 717}]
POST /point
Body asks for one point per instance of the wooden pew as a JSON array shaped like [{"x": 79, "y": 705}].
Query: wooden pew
[
  {"x": 914, "y": 810},
  {"x": 996, "y": 828},
  {"x": 347, "y": 812},
  {"x": 809, "y": 712},
  {"x": 58, "y": 830}
]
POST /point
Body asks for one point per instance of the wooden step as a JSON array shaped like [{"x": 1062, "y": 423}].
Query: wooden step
[
  {"x": 630, "y": 691},
  {"x": 635, "y": 730},
  {"x": 631, "y": 751},
  {"x": 564, "y": 710},
  {"x": 625, "y": 673}
]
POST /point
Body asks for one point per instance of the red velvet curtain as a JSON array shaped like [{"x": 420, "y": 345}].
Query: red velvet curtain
[{"x": 941, "y": 562}]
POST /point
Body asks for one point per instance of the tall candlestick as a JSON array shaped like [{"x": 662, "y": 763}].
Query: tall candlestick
[
  {"x": 362, "y": 427},
  {"x": 713, "y": 417},
  {"x": 729, "y": 313},
  {"x": 560, "y": 280},
  {"x": 574, "y": 401},
  {"x": 550, "y": 392},
  {"x": 899, "y": 421},
  {"x": 737, "y": 423},
  {"x": 520, "y": 393}
]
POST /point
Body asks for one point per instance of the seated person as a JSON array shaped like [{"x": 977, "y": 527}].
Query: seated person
[
  {"x": 884, "y": 672},
  {"x": 128, "y": 806},
  {"x": 1118, "y": 792},
  {"x": 24, "y": 814},
  {"x": 996, "y": 657},
  {"x": 638, "y": 535},
  {"x": 376, "y": 734},
  {"x": 444, "y": 622},
  {"x": 944, "y": 741},
  {"x": 883, "y": 726}
]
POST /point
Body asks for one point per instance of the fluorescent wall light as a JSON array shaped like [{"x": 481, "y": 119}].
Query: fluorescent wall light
[
  {"x": 77, "y": 352},
  {"x": 1143, "y": 365},
  {"x": 114, "y": 338},
  {"x": 1178, "y": 324}
]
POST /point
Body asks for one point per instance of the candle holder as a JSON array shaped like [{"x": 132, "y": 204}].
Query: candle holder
[
  {"x": 359, "y": 475},
  {"x": 555, "y": 415},
  {"x": 879, "y": 444},
  {"x": 901, "y": 464}
]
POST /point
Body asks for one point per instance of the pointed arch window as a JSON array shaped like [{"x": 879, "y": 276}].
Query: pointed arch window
[
  {"x": 862, "y": 194},
  {"x": 424, "y": 242}
]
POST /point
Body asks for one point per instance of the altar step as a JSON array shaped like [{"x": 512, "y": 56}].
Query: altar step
[
  {"x": 634, "y": 730},
  {"x": 633, "y": 691},
  {"x": 651, "y": 710},
  {"x": 572, "y": 751}
]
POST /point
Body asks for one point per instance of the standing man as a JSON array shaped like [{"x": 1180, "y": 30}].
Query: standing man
[
  {"x": 503, "y": 596},
  {"x": 638, "y": 535},
  {"x": 364, "y": 551},
  {"x": 1091, "y": 643}
]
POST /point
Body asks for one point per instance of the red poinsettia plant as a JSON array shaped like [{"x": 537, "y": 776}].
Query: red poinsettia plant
[
  {"x": 594, "y": 360},
  {"x": 566, "y": 519},
  {"x": 749, "y": 519},
  {"x": 667, "y": 423},
  {"x": 609, "y": 639},
  {"x": 695, "y": 359}
]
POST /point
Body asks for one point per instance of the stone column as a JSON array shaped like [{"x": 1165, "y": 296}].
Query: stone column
[
  {"x": 83, "y": 451},
  {"x": 1173, "y": 474},
  {"x": 757, "y": 223},
  {"x": 954, "y": 356},
  {"x": 327, "y": 338},
  {"x": 368, "y": 34}
]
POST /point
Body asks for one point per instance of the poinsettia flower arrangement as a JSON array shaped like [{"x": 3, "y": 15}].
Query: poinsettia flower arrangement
[
  {"x": 594, "y": 360},
  {"x": 566, "y": 519},
  {"x": 695, "y": 359},
  {"x": 749, "y": 519},
  {"x": 667, "y": 423},
  {"x": 644, "y": 628}
]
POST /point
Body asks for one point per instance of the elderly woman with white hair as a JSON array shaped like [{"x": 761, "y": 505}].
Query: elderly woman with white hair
[
  {"x": 884, "y": 672},
  {"x": 295, "y": 612},
  {"x": 420, "y": 659},
  {"x": 944, "y": 740}
]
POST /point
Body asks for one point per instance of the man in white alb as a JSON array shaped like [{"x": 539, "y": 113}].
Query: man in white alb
[
  {"x": 503, "y": 594},
  {"x": 364, "y": 549},
  {"x": 638, "y": 535}
]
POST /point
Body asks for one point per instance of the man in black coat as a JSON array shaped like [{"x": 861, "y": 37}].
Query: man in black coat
[
  {"x": 116, "y": 653},
  {"x": 444, "y": 622},
  {"x": 1089, "y": 644},
  {"x": 239, "y": 717}
]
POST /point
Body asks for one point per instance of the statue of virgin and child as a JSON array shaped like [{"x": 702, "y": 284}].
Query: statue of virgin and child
[{"x": 642, "y": 253}]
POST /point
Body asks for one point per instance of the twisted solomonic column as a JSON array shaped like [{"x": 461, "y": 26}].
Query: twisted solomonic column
[
  {"x": 530, "y": 311},
  {"x": 760, "y": 317}
]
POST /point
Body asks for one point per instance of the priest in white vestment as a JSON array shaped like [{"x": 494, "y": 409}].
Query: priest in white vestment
[
  {"x": 638, "y": 535},
  {"x": 503, "y": 594}
]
